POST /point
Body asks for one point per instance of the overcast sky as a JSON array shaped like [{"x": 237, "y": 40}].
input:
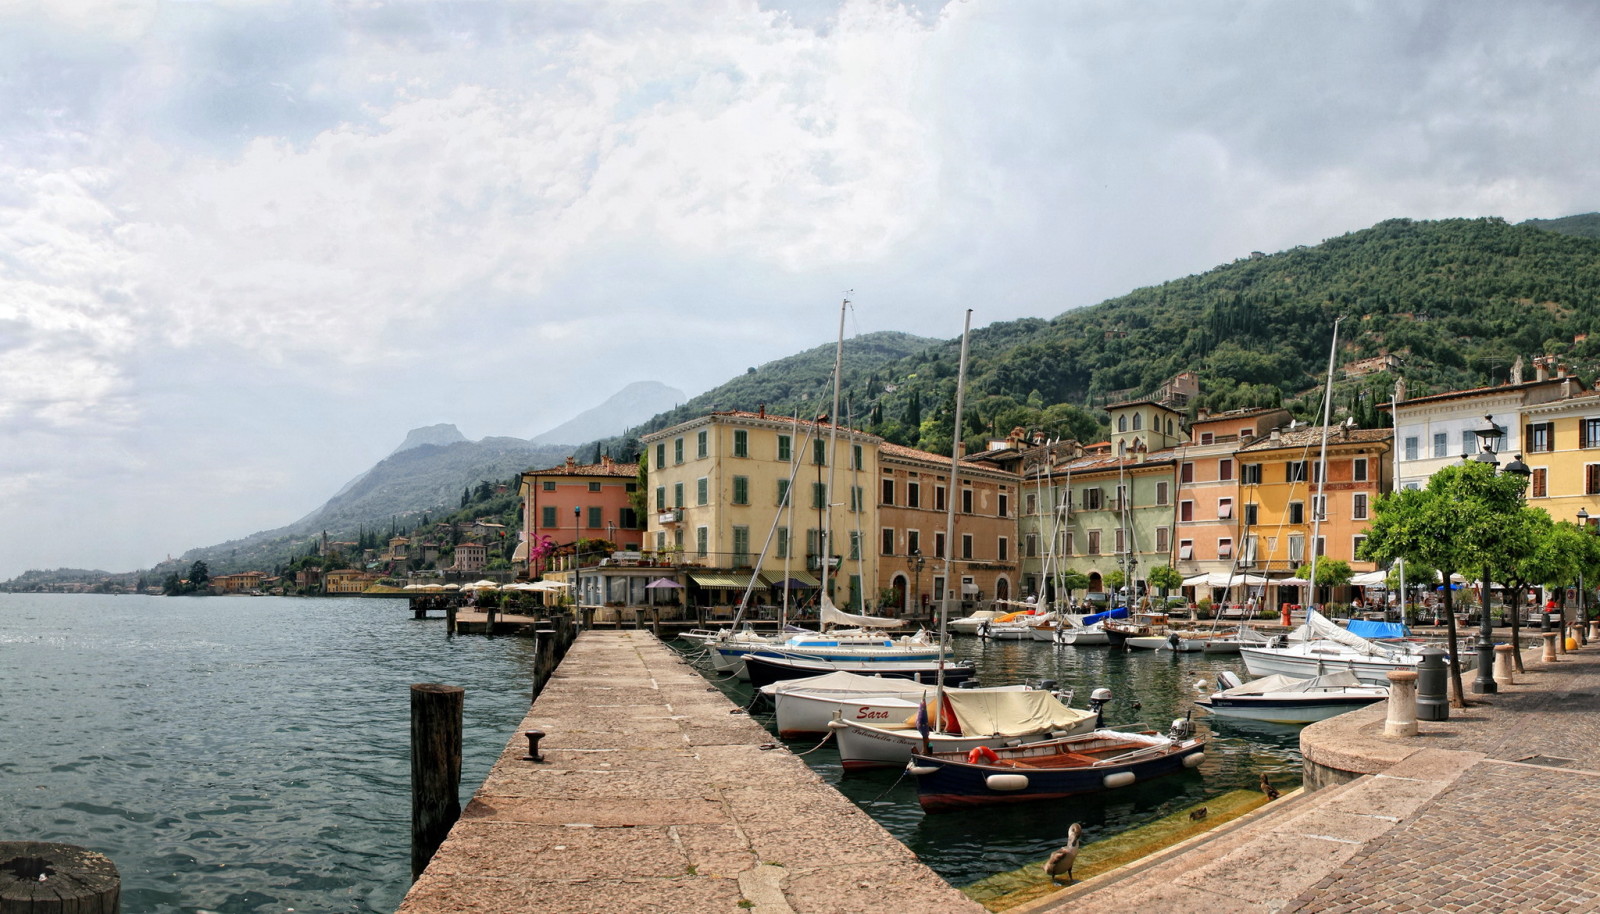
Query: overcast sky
[{"x": 244, "y": 247}]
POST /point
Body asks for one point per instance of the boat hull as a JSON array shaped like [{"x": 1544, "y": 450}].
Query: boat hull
[
  {"x": 945, "y": 783},
  {"x": 1266, "y": 661},
  {"x": 863, "y": 747},
  {"x": 764, "y": 670},
  {"x": 1302, "y": 709}
]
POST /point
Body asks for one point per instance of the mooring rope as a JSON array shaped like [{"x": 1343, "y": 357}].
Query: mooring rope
[{"x": 827, "y": 736}]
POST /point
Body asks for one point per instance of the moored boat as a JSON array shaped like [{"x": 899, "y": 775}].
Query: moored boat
[
  {"x": 1099, "y": 761},
  {"x": 765, "y": 668},
  {"x": 965, "y": 720},
  {"x": 805, "y": 706},
  {"x": 1287, "y": 700}
]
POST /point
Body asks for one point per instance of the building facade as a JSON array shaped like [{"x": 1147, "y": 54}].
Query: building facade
[
  {"x": 575, "y": 501},
  {"x": 1210, "y": 518},
  {"x": 742, "y": 494}
]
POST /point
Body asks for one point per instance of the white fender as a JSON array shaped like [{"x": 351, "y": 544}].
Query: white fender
[
  {"x": 1193, "y": 759},
  {"x": 919, "y": 770},
  {"x": 1007, "y": 782},
  {"x": 1119, "y": 779}
]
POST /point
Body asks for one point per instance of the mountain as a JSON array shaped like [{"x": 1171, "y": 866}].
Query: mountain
[
  {"x": 1454, "y": 302},
  {"x": 629, "y": 406},
  {"x": 1584, "y": 226},
  {"x": 440, "y": 434}
]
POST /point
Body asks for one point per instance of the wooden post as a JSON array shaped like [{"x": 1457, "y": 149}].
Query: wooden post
[
  {"x": 435, "y": 768},
  {"x": 450, "y": 617},
  {"x": 59, "y": 878}
]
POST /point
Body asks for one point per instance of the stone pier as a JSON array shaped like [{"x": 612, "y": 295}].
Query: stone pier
[{"x": 656, "y": 793}]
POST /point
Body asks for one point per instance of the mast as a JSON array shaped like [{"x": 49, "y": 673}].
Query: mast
[
  {"x": 1394, "y": 442},
  {"x": 1319, "y": 506},
  {"x": 825, "y": 535},
  {"x": 950, "y": 500}
]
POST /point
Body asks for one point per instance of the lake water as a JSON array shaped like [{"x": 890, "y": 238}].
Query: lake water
[
  {"x": 235, "y": 754},
  {"x": 965, "y": 846},
  {"x": 252, "y": 754}
]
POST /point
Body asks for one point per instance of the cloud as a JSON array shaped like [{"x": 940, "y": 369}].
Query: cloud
[{"x": 270, "y": 237}]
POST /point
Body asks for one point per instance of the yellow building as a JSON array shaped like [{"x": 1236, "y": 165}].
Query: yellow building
[
  {"x": 1278, "y": 486},
  {"x": 718, "y": 487},
  {"x": 1561, "y": 445},
  {"x": 348, "y": 580}
]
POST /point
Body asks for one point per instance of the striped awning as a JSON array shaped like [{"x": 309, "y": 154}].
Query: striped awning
[
  {"x": 804, "y": 578},
  {"x": 716, "y": 579}
]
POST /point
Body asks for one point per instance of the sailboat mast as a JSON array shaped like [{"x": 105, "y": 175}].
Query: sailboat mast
[
  {"x": 1318, "y": 507},
  {"x": 825, "y": 535},
  {"x": 953, "y": 493},
  {"x": 1394, "y": 441}
]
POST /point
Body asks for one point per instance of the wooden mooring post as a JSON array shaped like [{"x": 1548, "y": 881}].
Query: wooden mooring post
[
  {"x": 58, "y": 878},
  {"x": 435, "y": 768}
]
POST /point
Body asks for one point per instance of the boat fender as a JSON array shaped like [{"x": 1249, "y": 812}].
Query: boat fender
[
  {"x": 982, "y": 755},
  {"x": 916, "y": 770},
  {"x": 837, "y": 724},
  {"x": 1193, "y": 759},
  {"x": 1119, "y": 779},
  {"x": 1007, "y": 782}
]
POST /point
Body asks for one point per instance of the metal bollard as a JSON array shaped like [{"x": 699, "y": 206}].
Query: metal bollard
[
  {"x": 1402, "y": 719},
  {"x": 1433, "y": 702}
]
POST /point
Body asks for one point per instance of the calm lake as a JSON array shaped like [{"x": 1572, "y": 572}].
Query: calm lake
[
  {"x": 252, "y": 754},
  {"x": 235, "y": 754}
]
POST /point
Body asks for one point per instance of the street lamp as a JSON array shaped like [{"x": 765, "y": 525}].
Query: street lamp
[
  {"x": 1583, "y": 615},
  {"x": 917, "y": 561},
  {"x": 1488, "y": 436},
  {"x": 577, "y": 513}
]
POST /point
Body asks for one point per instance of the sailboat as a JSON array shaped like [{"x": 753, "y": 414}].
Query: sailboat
[
  {"x": 847, "y": 641},
  {"x": 1320, "y": 645}
]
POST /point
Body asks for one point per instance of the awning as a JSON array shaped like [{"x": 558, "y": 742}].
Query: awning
[
  {"x": 1186, "y": 553},
  {"x": 801, "y": 578},
  {"x": 714, "y": 579}
]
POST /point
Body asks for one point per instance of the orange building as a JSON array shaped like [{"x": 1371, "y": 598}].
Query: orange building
[
  {"x": 580, "y": 501},
  {"x": 1210, "y": 521}
]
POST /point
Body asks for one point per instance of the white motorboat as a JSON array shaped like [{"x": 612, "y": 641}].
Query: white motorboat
[
  {"x": 1287, "y": 700},
  {"x": 969, "y": 718},
  {"x": 968, "y": 625}
]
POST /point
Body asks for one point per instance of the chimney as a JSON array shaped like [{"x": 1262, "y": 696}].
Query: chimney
[
  {"x": 1276, "y": 436},
  {"x": 1566, "y": 388},
  {"x": 1202, "y": 414},
  {"x": 761, "y": 411},
  {"x": 1561, "y": 370},
  {"x": 1541, "y": 369},
  {"x": 572, "y": 462},
  {"x": 606, "y": 461},
  {"x": 961, "y": 449}
]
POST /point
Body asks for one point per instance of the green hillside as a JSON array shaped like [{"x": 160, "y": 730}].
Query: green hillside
[{"x": 1456, "y": 300}]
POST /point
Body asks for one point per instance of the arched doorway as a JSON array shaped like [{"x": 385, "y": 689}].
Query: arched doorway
[
  {"x": 1002, "y": 589},
  {"x": 1096, "y": 583},
  {"x": 900, "y": 595}
]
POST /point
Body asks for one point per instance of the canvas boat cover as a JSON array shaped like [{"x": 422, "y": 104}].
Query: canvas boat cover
[
  {"x": 1320, "y": 628},
  {"x": 1279, "y": 682},
  {"x": 833, "y": 615},
  {"x": 1011, "y": 713},
  {"x": 1368, "y": 629},
  {"x": 846, "y": 683}
]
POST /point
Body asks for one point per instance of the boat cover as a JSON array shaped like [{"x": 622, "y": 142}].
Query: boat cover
[
  {"x": 1320, "y": 627},
  {"x": 1120, "y": 612},
  {"x": 1279, "y": 682},
  {"x": 842, "y": 681},
  {"x": 1368, "y": 629},
  {"x": 1011, "y": 713},
  {"x": 833, "y": 615}
]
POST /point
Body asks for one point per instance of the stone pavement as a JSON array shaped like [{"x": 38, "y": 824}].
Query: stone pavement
[
  {"x": 656, "y": 794},
  {"x": 1491, "y": 811}
]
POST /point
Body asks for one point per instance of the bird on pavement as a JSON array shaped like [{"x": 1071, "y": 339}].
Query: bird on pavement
[
  {"x": 1198, "y": 814},
  {"x": 1267, "y": 788},
  {"x": 1061, "y": 861}
]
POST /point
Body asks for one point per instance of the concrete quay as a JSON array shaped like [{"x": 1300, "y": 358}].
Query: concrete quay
[
  {"x": 656, "y": 793},
  {"x": 1490, "y": 811}
]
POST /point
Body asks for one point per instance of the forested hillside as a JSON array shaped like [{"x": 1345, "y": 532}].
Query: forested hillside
[{"x": 1457, "y": 301}]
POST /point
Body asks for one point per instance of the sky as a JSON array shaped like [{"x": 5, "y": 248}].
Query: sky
[{"x": 246, "y": 246}]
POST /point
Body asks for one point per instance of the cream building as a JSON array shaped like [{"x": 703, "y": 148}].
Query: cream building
[{"x": 738, "y": 494}]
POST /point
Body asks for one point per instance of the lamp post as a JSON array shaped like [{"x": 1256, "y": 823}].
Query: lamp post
[
  {"x": 1488, "y": 437},
  {"x": 1583, "y": 615},
  {"x": 577, "y": 514},
  {"x": 917, "y": 561}
]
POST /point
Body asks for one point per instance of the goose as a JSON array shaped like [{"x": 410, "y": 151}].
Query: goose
[{"x": 1061, "y": 861}]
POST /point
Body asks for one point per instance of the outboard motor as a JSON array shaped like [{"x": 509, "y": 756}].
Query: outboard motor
[
  {"x": 1173, "y": 641},
  {"x": 1049, "y": 685},
  {"x": 1182, "y": 729},
  {"x": 1098, "y": 699}
]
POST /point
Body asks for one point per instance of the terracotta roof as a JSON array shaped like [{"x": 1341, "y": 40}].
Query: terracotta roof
[
  {"x": 628, "y": 470},
  {"x": 911, "y": 453},
  {"x": 1311, "y": 436}
]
